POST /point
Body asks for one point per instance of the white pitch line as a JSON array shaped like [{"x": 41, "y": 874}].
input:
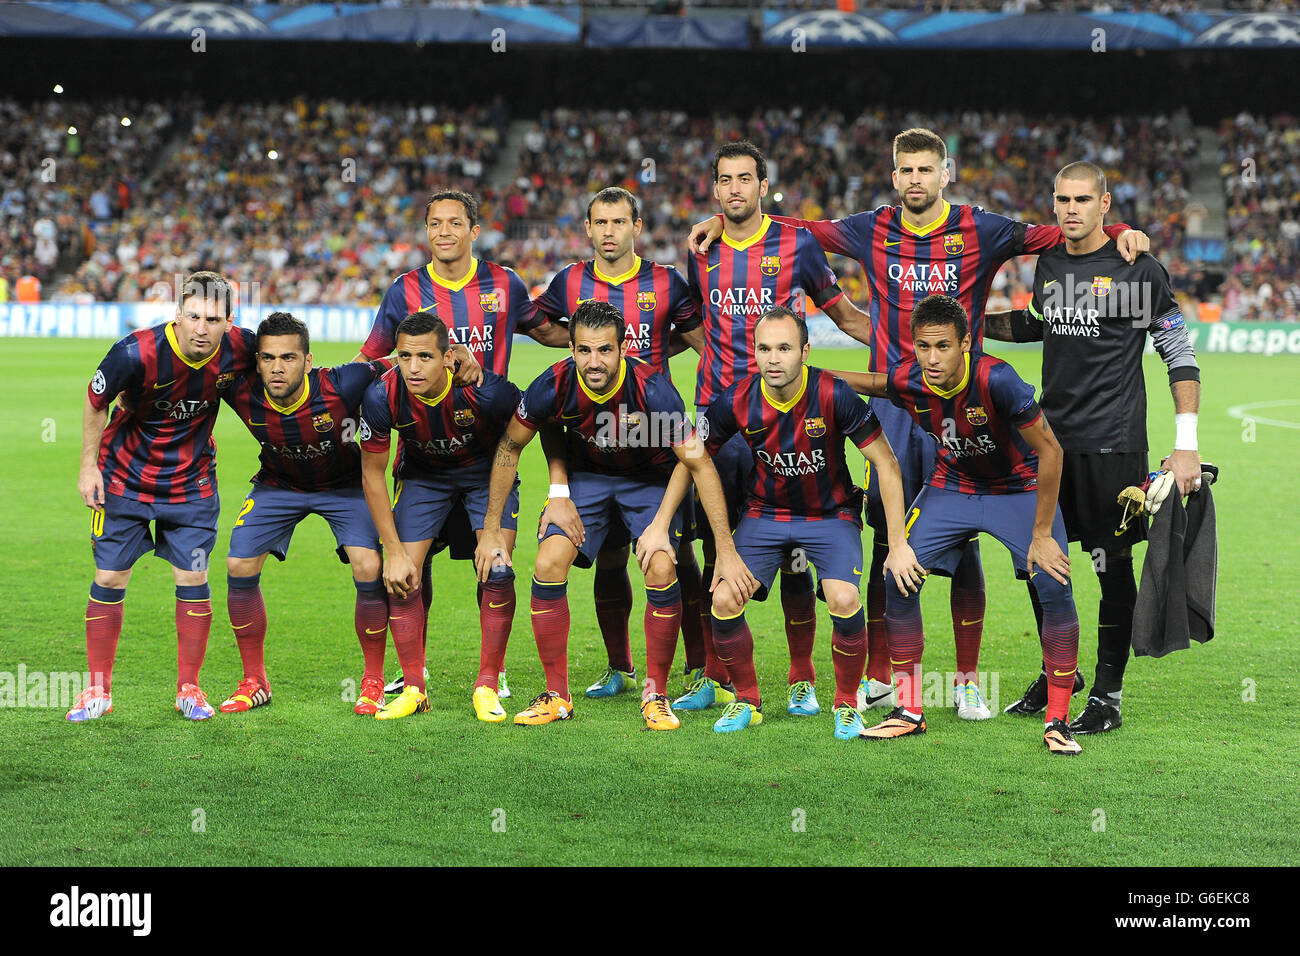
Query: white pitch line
[{"x": 1244, "y": 412}]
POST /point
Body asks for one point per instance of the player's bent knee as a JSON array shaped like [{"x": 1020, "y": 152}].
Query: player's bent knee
[
  {"x": 247, "y": 567},
  {"x": 726, "y": 602},
  {"x": 187, "y": 578},
  {"x": 366, "y": 564},
  {"x": 554, "y": 558},
  {"x": 842, "y": 598},
  {"x": 113, "y": 579},
  {"x": 662, "y": 572}
]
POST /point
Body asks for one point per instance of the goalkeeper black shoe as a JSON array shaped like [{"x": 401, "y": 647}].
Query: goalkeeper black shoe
[
  {"x": 1097, "y": 718},
  {"x": 1034, "y": 699}
]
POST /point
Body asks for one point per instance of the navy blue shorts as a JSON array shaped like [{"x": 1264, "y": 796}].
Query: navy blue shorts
[
  {"x": 421, "y": 508},
  {"x": 735, "y": 464},
  {"x": 833, "y": 546},
  {"x": 613, "y": 505},
  {"x": 940, "y": 523},
  {"x": 619, "y": 537},
  {"x": 916, "y": 453},
  {"x": 185, "y": 534},
  {"x": 269, "y": 515}
]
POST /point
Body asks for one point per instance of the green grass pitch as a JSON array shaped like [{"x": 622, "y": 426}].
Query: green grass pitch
[{"x": 1203, "y": 772}]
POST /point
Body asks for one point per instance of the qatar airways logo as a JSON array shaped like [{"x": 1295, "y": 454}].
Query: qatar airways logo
[
  {"x": 441, "y": 446},
  {"x": 925, "y": 278},
  {"x": 963, "y": 447},
  {"x": 302, "y": 452},
  {"x": 793, "y": 464},
  {"x": 475, "y": 338},
  {"x": 182, "y": 409},
  {"x": 742, "y": 300},
  {"x": 638, "y": 337},
  {"x": 622, "y": 427}
]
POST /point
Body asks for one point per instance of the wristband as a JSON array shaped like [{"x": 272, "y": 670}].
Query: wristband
[
  {"x": 558, "y": 491},
  {"x": 1185, "y": 432}
]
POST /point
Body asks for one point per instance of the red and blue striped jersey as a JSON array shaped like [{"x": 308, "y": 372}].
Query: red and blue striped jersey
[
  {"x": 483, "y": 310},
  {"x": 158, "y": 444},
  {"x": 957, "y": 255},
  {"x": 458, "y": 428},
  {"x": 655, "y": 301},
  {"x": 976, "y": 424},
  {"x": 629, "y": 430},
  {"x": 308, "y": 445},
  {"x": 799, "y": 469},
  {"x": 734, "y": 283}
]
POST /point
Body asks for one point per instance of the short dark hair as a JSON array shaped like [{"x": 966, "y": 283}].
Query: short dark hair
[
  {"x": 424, "y": 323},
  {"x": 918, "y": 140},
  {"x": 462, "y": 197},
  {"x": 742, "y": 148},
  {"x": 284, "y": 323},
  {"x": 597, "y": 315},
  {"x": 209, "y": 285},
  {"x": 936, "y": 310},
  {"x": 1083, "y": 170},
  {"x": 615, "y": 194},
  {"x": 781, "y": 312}
]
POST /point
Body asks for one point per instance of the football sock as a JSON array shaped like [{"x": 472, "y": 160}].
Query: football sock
[
  {"x": 496, "y": 617},
  {"x": 906, "y": 644},
  {"x": 247, "y": 612},
  {"x": 688, "y": 579},
  {"x": 612, "y": 590},
  {"x": 713, "y": 666},
  {"x": 193, "y": 624},
  {"x": 550, "y": 616},
  {"x": 371, "y": 621},
  {"x": 967, "y": 604},
  {"x": 426, "y": 596},
  {"x": 799, "y": 603},
  {"x": 405, "y": 621},
  {"x": 1060, "y": 642},
  {"x": 1114, "y": 626},
  {"x": 877, "y": 636},
  {"x": 103, "y": 628},
  {"x": 663, "y": 619},
  {"x": 735, "y": 646},
  {"x": 848, "y": 654}
]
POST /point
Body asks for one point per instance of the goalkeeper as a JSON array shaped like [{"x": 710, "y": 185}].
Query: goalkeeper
[{"x": 1093, "y": 311}]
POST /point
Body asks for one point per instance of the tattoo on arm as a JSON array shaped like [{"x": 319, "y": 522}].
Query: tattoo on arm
[{"x": 998, "y": 326}]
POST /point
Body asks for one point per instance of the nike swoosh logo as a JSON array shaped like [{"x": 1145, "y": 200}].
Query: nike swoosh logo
[
  {"x": 391, "y": 619},
  {"x": 897, "y": 663},
  {"x": 797, "y": 623},
  {"x": 857, "y": 572},
  {"x": 755, "y": 431},
  {"x": 426, "y": 308},
  {"x": 836, "y": 649},
  {"x": 102, "y": 617},
  {"x": 535, "y": 613},
  {"x": 894, "y": 243},
  {"x": 1108, "y": 625},
  {"x": 165, "y": 384},
  {"x": 503, "y": 604},
  {"x": 657, "y": 614},
  {"x": 380, "y": 631},
  {"x": 875, "y": 620},
  {"x": 712, "y": 267},
  {"x": 870, "y": 699},
  {"x": 571, "y": 418},
  {"x": 514, "y": 514},
  {"x": 966, "y": 623},
  {"x": 1049, "y": 282},
  {"x": 1063, "y": 673},
  {"x": 198, "y": 613},
  {"x": 240, "y": 627}
]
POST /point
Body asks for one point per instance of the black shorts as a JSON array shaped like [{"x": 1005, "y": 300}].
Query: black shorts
[{"x": 1090, "y": 487}]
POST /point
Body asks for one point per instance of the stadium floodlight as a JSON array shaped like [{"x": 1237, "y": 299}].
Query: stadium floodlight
[
  {"x": 273, "y": 154},
  {"x": 58, "y": 87},
  {"x": 126, "y": 121},
  {"x": 72, "y": 131}
]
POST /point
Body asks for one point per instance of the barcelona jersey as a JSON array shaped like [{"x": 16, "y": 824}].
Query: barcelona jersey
[
  {"x": 309, "y": 444},
  {"x": 976, "y": 424},
  {"x": 482, "y": 311},
  {"x": 957, "y": 255},
  {"x": 629, "y": 430},
  {"x": 736, "y": 282},
  {"x": 799, "y": 469},
  {"x": 158, "y": 444},
  {"x": 654, "y": 299},
  {"x": 458, "y": 428}
]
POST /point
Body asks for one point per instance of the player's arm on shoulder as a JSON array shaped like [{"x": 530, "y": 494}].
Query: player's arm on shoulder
[
  {"x": 841, "y": 237},
  {"x": 874, "y": 384},
  {"x": 1015, "y": 325},
  {"x": 551, "y": 332},
  {"x": 851, "y": 320}
]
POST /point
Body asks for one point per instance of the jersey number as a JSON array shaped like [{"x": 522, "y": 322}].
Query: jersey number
[{"x": 247, "y": 507}]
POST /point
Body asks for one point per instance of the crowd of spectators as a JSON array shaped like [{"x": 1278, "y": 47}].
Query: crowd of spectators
[{"x": 320, "y": 201}]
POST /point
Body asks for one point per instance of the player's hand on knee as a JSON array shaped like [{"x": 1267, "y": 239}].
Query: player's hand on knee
[
  {"x": 90, "y": 485},
  {"x": 703, "y": 234},
  {"x": 908, "y": 573},
  {"x": 653, "y": 539},
  {"x": 1132, "y": 244},
  {"x": 491, "y": 552},
  {"x": 1046, "y": 555},
  {"x": 732, "y": 569},
  {"x": 562, "y": 513},
  {"x": 401, "y": 576}
]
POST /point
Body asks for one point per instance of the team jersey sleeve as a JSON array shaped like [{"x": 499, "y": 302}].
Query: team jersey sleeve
[
  {"x": 1029, "y": 239},
  {"x": 683, "y": 308},
  {"x": 383, "y": 331},
  {"x": 853, "y": 416},
  {"x": 500, "y": 397},
  {"x": 352, "y": 380},
  {"x": 376, "y": 419},
  {"x": 550, "y": 304},
  {"x": 120, "y": 369},
  {"x": 815, "y": 275},
  {"x": 523, "y": 309},
  {"x": 693, "y": 287},
  {"x": 663, "y": 399},
  {"x": 1013, "y": 397},
  {"x": 537, "y": 404},
  {"x": 719, "y": 422},
  {"x": 1167, "y": 326},
  {"x": 843, "y": 237},
  {"x": 1035, "y": 327}
]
